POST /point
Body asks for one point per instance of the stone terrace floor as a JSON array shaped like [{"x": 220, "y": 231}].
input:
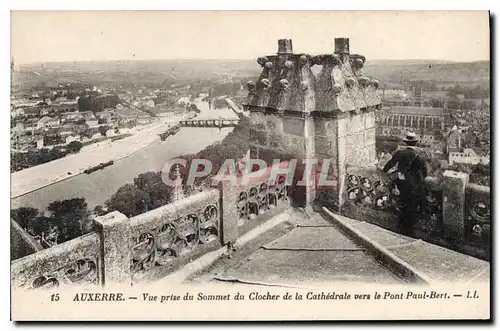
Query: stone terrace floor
[
  {"x": 308, "y": 248},
  {"x": 301, "y": 250}
]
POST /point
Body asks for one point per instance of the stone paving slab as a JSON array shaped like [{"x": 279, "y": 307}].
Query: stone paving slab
[
  {"x": 435, "y": 262},
  {"x": 441, "y": 264},
  {"x": 382, "y": 236},
  {"x": 290, "y": 262},
  {"x": 313, "y": 238},
  {"x": 305, "y": 267},
  {"x": 312, "y": 219}
]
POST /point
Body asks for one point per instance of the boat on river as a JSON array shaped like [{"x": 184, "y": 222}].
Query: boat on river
[
  {"x": 98, "y": 167},
  {"x": 170, "y": 132}
]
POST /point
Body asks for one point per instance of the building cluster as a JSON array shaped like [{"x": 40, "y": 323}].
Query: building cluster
[
  {"x": 52, "y": 118},
  {"x": 454, "y": 136},
  {"x": 429, "y": 123}
]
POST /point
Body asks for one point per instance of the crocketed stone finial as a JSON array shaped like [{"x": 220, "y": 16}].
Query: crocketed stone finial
[{"x": 287, "y": 83}]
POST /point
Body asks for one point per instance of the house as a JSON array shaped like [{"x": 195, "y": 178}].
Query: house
[
  {"x": 440, "y": 95},
  {"x": 87, "y": 114},
  {"x": 32, "y": 112},
  {"x": 29, "y": 125},
  {"x": 71, "y": 116},
  {"x": 72, "y": 138},
  {"x": 24, "y": 103},
  {"x": 104, "y": 116},
  {"x": 127, "y": 115},
  {"x": 66, "y": 133},
  {"x": 74, "y": 127},
  {"x": 18, "y": 129},
  {"x": 144, "y": 119},
  {"x": 16, "y": 112},
  {"x": 48, "y": 122},
  {"x": 392, "y": 94},
  {"x": 66, "y": 101},
  {"x": 467, "y": 156},
  {"x": 92, "y": 122},
  {"x": 40, "y": 143},
  {"x": 168, "y": 111}
]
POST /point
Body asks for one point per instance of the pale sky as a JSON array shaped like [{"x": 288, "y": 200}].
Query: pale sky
[{"x": 119, "y": 35}]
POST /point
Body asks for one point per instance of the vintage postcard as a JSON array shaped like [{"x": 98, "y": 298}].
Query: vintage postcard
[{"x": 250, "y": 165}]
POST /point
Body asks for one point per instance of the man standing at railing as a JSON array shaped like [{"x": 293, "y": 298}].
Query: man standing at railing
[{"x": 410, "y": 174}]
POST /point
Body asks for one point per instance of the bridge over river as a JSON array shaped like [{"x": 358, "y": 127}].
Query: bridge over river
[
  {"x": 100, "y": 185},
  {"x": 220, "y": 122}
]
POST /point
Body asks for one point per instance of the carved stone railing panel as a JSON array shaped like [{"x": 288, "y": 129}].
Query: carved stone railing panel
[
  {"x": 477, "y": 213},
  {"x": 260, "y": 198},
  {"x": 430, "y": 218},
  {"x": 162, "y": 237},
  {"x": 376, "y": 192},
  {"x": 77, "y": 261},
  {"x": 372, "y": 189}
]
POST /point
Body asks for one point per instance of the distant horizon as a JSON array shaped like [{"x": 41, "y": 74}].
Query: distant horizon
[
  {"x": 234, "y": 59},
  {"x": 82, "y": 36}
]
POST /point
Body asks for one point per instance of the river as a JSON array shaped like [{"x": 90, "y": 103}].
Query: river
[{"x": 99, "y": 186}]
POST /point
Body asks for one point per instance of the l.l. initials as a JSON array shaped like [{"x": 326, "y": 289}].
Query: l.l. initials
[{"x": 475, "y": 296}]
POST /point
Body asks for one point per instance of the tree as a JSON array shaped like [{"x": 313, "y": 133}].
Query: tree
[
  {"x": 24, "y": 216},
  {"x": 75, "y": 146},
  {"x": 71, "y": 95},
  {"x": 99, "y": 210},
  {"x": 103, "y": 130},
  {"x": 71, "y": 217},
  {"x": 41, "y": 225},
  {"x": 151, "y": 183},
  {"x": 129, "y": 200},
  {"x": 149, "y": 191},
  {"x": 84, "y": 103}
]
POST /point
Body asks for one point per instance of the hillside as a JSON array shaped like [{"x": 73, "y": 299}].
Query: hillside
[
  {"x": 471, "y": 72},
  {"x": 159, "y": 71}
]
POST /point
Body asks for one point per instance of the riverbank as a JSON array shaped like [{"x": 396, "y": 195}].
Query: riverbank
[
  {"x": 34, "y": 178},
  {"x": 100, "y": 185}
]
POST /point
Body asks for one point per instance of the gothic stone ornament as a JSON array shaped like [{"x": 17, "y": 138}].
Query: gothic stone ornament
[
  {"x": 164, "y": 245},
  {"x": 339, "y": 87},
  {"x": 258, "y": 199},
  {"x": 82, "y": 271}
]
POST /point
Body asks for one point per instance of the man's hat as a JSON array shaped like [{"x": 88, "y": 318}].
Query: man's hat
[{"x": 410, "y": 137}]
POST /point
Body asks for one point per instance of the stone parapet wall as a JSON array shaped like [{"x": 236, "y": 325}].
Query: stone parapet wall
[
  {"x": 21, "y": 242},
  {"x": 78, "y": 261},
  {"x": 371, "y": 194},
  {"x": 459, "y": 210},
  {"x": 152, "y": 245},
  {"x": 259, "y": 201},
  {"x": 163, "y": 239},
  {"x": 477, "y": 213}
]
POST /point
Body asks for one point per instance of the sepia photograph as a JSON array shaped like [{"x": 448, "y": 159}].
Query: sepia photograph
[{"x": 250, "y": 165}]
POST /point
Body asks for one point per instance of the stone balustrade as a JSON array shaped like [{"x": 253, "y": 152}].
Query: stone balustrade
[
  {"x": 77, "y": 261},
  {"x": 451, "y": 207},
  {"x": 165, "y": 238},
  {"x": 152, "y": 245},
  {"x": 257, "y": 201},
  {"x": 371, "y": 193},
  {"x": 477, "y": 213},
  {"x": 371, "y": 188}
]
